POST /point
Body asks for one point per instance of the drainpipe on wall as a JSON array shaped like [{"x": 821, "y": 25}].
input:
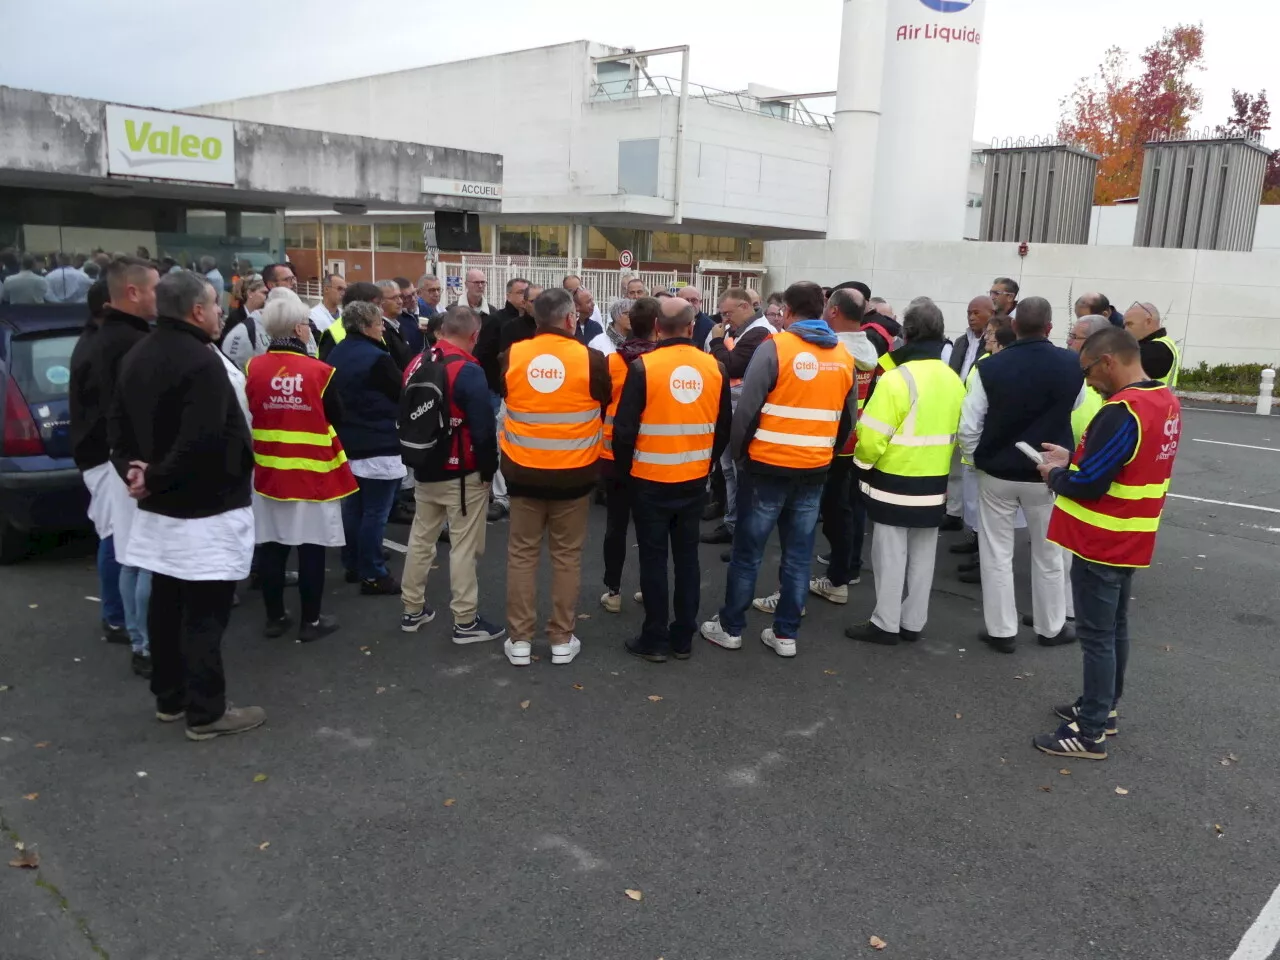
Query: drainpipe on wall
[{"x": 678, "y": 214}]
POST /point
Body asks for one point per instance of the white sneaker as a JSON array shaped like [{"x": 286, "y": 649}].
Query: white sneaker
[
  {"x": 719, "y": 636},
  {"x": 639, "y": 597},
  {"x": 824, "y": 588},
  {"x": 519, "y": 652},
  {"x": 565, "y": 652},
  {"x": 781, "y": 645},
  {"x": 611, "y": 601},
  {"x": 769, "y": 604}
]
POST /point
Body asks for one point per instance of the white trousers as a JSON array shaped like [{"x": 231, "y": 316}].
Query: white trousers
[
  {"x": 955, "y": 486},
  {"x": 1067, "y": 557},
  {"x": 903, "y": 559},
  {"x": 998, "y": 503},
  {"x": 498, "y": 487}
]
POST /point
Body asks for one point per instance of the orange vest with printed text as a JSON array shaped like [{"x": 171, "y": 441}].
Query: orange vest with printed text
[
  {"x": 678, "y": 425},
  {"x": 552, "y": 421},
  {"x": 801, "y": 415}
]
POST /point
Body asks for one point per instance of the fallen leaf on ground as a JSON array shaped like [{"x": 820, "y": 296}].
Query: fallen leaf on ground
[
  {"x": 26, "y": 859},
  {"x": 30, "y": 796},
  {"x": 1065, "y": 772},
  {"x": 259, "y": 777},
  {"x": 1233, "y": 758},
  {"x": 536, "y": 656},
  {"x": 450, "y": 802},
  {"x": 1047, "y": 789},
  {"x": 380, "y": 690},
  {"x": 876, "y": 943},
  {"x": 264, "y": 844},
  {"x": 42, "y": 744},
  {"x": 1122, "y": 791},
  {"x": 584, "y": 616},
  {"x": 33, "y": 605},
  {"x": 368, "y": 653},
  {"x": 364, "y": 648},
  {"x": 3, "y": 687},
  {"x": 1167, "y": 648},
  {"x": 142, "y": 773},
  {"x": 959, "y": 716},
  {"x": 634, "y": 894},
  {"x": 524, "y": 704},
  {"x": 1018, "y": 676},
  {"x": 1226, "y": 762},
  {"x": 829, "y": 673},
  {"x": 654, "y": 698},
  {"x": 1217, "y": 828},
  {"x": 577, "y": 686},
  {"x": 6, "y": 739}
]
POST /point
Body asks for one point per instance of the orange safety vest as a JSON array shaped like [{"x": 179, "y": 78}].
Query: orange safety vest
[
  {"x": 618, "y": 376},
  {"x": 552, "y": 421},
  {"x": 296, "y": 450},
  {"x": 801, "y": 415},
  {"x": 1119, "y": 528},
  {"x": 678, "y": 425}
]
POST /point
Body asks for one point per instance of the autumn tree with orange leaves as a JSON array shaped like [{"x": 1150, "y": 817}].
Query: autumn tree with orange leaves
[
  {"x": 1113, "y": 114},
  {"x": 1251, "y": 117}
]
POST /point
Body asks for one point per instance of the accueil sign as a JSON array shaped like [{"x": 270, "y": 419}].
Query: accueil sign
[{"x": 169, "y": 146}]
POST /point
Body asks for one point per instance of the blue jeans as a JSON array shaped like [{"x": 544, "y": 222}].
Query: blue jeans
[
  {"x": 109, "y": 582},
  {"x": 792, "y": 503},
  {"x": 1101, "y": 594},
  {"x": 364, "y": 522},
  {"x": 135, "y": 591}
]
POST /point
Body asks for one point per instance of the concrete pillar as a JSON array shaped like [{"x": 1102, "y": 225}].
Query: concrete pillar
[{"x": 857, "y": 120}]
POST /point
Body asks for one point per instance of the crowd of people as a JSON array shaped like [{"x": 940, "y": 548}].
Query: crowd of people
[{"x": 214, "y": 449}]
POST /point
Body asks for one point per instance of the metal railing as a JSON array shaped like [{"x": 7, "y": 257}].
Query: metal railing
[
  {"x": 605, "y": 285},
  {"x": 626, "y": 88}
]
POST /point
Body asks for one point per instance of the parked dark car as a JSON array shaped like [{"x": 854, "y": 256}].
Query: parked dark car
[{"x": 40, "y": 487}]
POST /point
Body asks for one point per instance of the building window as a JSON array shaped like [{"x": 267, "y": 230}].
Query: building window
[
  {"x": 308, "y": 236},
  {"x": 755, "y": 251},
  {"x": 359, "y": 236},
  {"x": 411, "y": 238},
  {"x": 605, "y": 243},
  {"x": 671, "y": 247},
  {"x": 550, "y": 241},
  {"x": 513, "y": 240},
  {"x": 388, "y": 235},
  {"x": 335, "y": 236}
]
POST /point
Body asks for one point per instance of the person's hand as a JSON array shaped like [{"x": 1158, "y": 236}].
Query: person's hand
[
  {"x": 1054, "y": 457},
  {"x": 717, "y": 332},
  {"x": 137, "y": 479}
]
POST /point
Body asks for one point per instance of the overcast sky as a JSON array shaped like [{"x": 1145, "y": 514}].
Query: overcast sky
[{"x": 181, "y": 52}]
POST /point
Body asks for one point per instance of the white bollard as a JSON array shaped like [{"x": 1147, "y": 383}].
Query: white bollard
[{"x": 1264, "y": 392}]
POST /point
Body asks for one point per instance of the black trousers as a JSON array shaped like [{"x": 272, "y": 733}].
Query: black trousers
[
  {"x": 617, "y": 500},
  {"x": 186, "y": 620},
  {"x": 662, "y": 517},
  {"x": 844, "y": 521},
  {"x": 271, "y": 562}
]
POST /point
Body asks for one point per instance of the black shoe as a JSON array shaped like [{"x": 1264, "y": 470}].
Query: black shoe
[
  {"x": 636, "y": 650},
  {"x": 114, "y": 634},
  {"x": 721, "y": 534},
  {"x": 684, "y": 654},
  {"x": 910, "y": 636},
  {"x": 869, "y": 633},
  {"x": 970, "y": 575},
  {"x": 321, "y": 628},
  {"x": 141, "y": 664},
  {"x": 1029, "y": 621},
  {"x": 712, "y": 511},
  {"x": 496, "y": 512},
  {"x": 350, "y": 576},
  {"x": 276, "y": 628},
  {"x": 1003, "y": 644},
  {"x": 951, "y": 524},
  {"x": 386, "y": 586},
  {"x": 1064, "y": 636},
  {"x": 968, "y": 565},
  {"x": 726, "y": 556},
  {"x": 965, "y": 546}
]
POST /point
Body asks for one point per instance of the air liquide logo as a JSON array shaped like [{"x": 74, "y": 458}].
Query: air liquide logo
[
  {"x": 805, "y": 365},
  {"x": 948, "y": 6},
  {"x": 169, "y": 146},
  {"x": 545, "y": 373},
  {"x": 686, "y": 384}
]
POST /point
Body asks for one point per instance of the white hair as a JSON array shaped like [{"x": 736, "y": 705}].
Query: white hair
[{"x": 284, "y": 311}]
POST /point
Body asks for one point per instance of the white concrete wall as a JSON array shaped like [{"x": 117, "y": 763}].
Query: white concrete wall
[{"x": 1220, "y": 307}]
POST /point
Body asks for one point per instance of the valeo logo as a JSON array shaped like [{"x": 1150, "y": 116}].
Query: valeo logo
[
  {"x": 948, "y": 6},
  {"x": 142, "y": 137}
]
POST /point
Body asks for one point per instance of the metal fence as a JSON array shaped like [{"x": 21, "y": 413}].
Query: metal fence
[{"x": 605, "y": 285}]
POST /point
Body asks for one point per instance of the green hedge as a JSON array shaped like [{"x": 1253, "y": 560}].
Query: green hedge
[{"x": 1224, "y": 378}]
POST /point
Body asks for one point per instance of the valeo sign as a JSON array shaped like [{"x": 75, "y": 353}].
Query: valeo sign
[{"x": 169, "y": 146}]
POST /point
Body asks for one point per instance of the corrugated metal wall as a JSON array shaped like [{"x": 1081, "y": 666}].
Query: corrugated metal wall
[
  {"x": 1200, "y": 194},
  {"x": 1038, "y": 194}
]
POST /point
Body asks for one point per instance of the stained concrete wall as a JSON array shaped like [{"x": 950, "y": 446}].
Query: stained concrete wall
[{"x": 1220, "y": 307}]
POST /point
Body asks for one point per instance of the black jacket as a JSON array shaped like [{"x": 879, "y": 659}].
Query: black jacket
[
  {"x": 626, "y": 422},
  {"x": 181, "y": 417},
  {"x": 95, "y": 368},
  {"x": 489, "y": 344},
  {"x": 1157, "y": 358}
]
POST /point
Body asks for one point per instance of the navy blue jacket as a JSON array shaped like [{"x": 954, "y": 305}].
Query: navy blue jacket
[
  {"x": 368, "y": 382},
  {"x": 702, "y": 325},
  {"x": 586, "y": 330},
  {"x": 1031, "y": 389},
  {"x": 411, "y": 332}
]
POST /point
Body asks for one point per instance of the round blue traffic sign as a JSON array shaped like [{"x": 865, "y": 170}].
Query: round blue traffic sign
[{"x": 948, "y": 6}]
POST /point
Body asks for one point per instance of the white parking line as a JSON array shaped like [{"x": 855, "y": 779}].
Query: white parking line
[
  {"x": 397, "y": 547},
  {"x": 1224, "y": 503},
  {"x": 1246, "y": 446},
  {"x": 1261, "y": 938}
]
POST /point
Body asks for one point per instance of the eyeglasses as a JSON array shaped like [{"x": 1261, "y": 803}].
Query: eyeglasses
[
  {"x": 998, "y": 293},
  {"x": 1150, "y": 315},
  {"x": 1089, "y": 367}
]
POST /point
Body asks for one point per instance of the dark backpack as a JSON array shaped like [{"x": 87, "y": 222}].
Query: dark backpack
[{"x": 423, "y": 423}]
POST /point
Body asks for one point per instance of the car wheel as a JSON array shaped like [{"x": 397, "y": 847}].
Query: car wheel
[{"x": 14, "y": 543}]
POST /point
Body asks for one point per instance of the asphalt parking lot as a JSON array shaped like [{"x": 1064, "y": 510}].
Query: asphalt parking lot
[{"x": 410, "y": 799}]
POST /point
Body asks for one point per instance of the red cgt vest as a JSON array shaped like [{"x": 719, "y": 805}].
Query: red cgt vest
[
  {"x": 1119, "y": 528},
  {"x": 296, "y": 450}
]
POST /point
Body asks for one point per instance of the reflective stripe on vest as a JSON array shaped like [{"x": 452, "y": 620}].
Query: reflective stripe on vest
[
  {"x": 1119, "y": 528},
  {"x": 617, "y": 377},
  {"x": 674, "y": 440},
  {"x": 552, "y": 422},
  {"x": 801, "y": 415},
  {"x": 1170, "y": 379},
  {"x": 296, "y": 452}
]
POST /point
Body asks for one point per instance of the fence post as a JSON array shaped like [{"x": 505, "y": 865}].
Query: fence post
[{"x": 1264, "y": 392}]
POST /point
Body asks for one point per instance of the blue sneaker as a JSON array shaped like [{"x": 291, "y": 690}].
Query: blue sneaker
[
  {"x": 1071, "y": 712},
  {"x": 477, "y": 631},
  {"x": 410, "y": 622},
  {"x": 1068, "y": 741}
]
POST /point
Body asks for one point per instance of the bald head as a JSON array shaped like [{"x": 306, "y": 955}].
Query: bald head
[
  {"x": 675, "y": 318},
  {"x": 981, "y": 310},
  {"x": 1092, "y": 303},
  {"x": 692, "y": 295},
  {"x": 1084, "y": 328},
  {"x": 1142, "y": 320}
]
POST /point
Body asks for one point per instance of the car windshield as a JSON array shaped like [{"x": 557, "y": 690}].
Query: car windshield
[{"x": 42, "y": 366}]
